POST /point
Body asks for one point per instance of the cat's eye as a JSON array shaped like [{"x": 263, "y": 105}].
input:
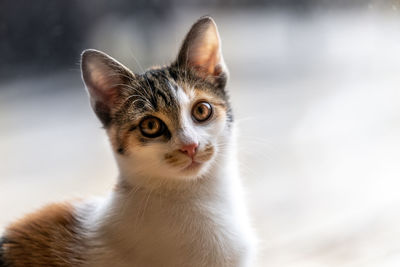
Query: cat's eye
[
  {"x": 152, "y": 127},
  {"x": 202, "y": 111}
]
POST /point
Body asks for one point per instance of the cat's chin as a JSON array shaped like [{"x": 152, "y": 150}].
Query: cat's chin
[
  {"x": 194, "y": 170},
  {"x": 194, "y": 166}
]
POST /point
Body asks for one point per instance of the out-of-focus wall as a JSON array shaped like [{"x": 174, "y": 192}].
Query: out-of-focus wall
[{"x": 47, "y": 35}]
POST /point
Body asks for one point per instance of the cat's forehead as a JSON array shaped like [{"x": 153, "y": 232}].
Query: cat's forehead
[
  {"x": 150, "y": 92},
  {"x": 153, "y": 92},
  {"x": 165, "y": 91},
  {"x": 162, "y": 91}
]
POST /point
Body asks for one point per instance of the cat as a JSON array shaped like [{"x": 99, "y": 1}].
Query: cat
[{"x": 178, "y": 199}]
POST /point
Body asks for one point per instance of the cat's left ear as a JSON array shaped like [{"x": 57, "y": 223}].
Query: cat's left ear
[
  {"x": 201, "y": 50},
  {"x": 104, "y": 78}
]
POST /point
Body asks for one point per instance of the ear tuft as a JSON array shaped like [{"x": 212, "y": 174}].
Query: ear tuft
[
  {"x": 201, "y": 49},
  {"x": 103, "y": 77}
]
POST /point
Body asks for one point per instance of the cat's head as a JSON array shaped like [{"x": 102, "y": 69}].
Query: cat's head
[{"x": 169, "y": 122}]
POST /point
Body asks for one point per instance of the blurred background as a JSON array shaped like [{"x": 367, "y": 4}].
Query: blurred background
[{"x": 316, "y": 91}]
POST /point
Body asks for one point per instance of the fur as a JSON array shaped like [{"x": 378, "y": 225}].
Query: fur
[
  {"x": 169, "y": 207},
  {"x": 48, "y": 237}
]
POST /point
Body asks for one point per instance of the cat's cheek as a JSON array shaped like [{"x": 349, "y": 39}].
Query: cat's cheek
[
  {"x": 122, "y": 141},
  {"x": 214, "y": 129},
  {"x": 220, "y": 120}
]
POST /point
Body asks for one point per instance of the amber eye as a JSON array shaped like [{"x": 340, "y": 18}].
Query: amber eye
[
  {"x": 152, "y": 127},
  {"x": 202, "y": 111}
]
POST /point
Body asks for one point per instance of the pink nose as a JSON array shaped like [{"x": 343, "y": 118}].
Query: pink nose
[{"x": 189, "y": 149}]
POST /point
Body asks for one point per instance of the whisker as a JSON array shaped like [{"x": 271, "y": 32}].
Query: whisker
[{"x": 136, "y": 60}]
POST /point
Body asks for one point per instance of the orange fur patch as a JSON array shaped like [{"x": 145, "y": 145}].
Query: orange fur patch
[{"x": 49, "y": 237}]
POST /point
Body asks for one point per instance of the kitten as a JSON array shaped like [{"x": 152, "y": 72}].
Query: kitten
[{"x": 178, "y": 200}]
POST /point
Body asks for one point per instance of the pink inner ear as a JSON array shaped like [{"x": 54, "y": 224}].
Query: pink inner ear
[
  {"x": 103, "y": 83},
  {"x": 205, "y": 54}
]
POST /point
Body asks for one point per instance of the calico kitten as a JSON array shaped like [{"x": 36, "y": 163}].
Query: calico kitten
[{"x": 178, "y": 200}]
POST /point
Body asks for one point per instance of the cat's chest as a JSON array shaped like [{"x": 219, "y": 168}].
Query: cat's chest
[{"x": 177, "y": 234}]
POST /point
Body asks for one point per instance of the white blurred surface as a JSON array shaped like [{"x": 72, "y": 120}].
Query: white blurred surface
[{"x": 317, "y": 101}]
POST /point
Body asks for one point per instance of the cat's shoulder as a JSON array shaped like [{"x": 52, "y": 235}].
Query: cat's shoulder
[{"x": 47, "y": 237}]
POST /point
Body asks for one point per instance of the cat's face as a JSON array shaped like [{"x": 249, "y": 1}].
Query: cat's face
[{"x": 169, "y": 122}]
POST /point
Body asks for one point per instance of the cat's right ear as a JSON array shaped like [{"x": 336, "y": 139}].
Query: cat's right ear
[
  {"x": 201, "y": 51},
  {"x": 103, "y": 77}
]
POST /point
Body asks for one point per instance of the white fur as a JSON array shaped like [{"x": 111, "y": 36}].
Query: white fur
[{"x": 165, "y": 221}]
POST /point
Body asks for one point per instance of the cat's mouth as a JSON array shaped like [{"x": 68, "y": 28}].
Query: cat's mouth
[
  {"x": 194, "y": 165},
  {"x": 188, "y": 164}
]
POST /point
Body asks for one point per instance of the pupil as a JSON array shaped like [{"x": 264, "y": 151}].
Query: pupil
[
  {"x": 151, "y": 125},
  {"x": 200, "y": 109}
]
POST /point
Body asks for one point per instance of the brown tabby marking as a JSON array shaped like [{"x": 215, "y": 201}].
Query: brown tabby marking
[
  {"x": 48, "y": 237},
  {"x": 207, "y": 153}
]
